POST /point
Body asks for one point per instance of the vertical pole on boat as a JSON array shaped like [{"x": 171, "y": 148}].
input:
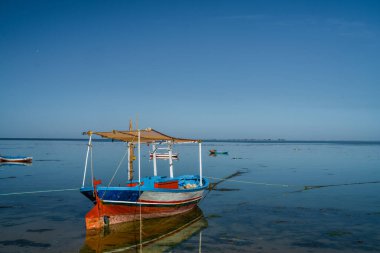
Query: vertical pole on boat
[
  {"x": 154, "y": 159},
  {"x": 139, "y": 144},
  {"x": 200, "y": 162},
  {"x": 129, "y": 161},
  {"x": 88, "y": 150},
  {"x": 170, "y": 160},
  {"x": 131, "y": 154}
]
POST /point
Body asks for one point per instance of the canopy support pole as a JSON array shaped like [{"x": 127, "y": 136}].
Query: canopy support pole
[
  {"x": 85, "y": 165},
  {"x": 170, "y": 160},
  {"x": 92, "y": 167},
  {"x": 154, "y": 160},
  {"x": 200, "y": 163},
  {"x": 139, "y": 156}
]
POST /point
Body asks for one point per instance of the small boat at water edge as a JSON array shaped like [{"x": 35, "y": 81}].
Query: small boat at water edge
[
  {"x": 148, "y": 197},
  {"x": 15, "y": 159},
  {"x": 215, "y": 152}
]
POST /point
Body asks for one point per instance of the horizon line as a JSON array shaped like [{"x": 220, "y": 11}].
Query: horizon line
[{"x": 265, "y": 140}]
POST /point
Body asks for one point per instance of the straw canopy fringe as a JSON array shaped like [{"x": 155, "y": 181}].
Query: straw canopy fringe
[{"x": 148, "y": 135}]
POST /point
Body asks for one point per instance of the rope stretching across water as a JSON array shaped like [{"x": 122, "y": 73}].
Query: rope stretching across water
[
  {"x": 44, "y": 191},
  {"x": 248, "y": 182},
  {"x": 302, "y": 187}
]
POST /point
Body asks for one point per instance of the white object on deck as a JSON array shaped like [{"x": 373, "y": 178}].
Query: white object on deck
[
  {"x": 154, "y": 160},
  {"x": 171, "y": 160}
]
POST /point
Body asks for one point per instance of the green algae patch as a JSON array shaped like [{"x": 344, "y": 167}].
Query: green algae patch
[
  {"x": 338, "y": 233},
  {"x": 211, "y": 216}
]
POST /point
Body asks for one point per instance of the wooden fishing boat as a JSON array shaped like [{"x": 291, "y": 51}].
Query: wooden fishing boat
[
  {"x": 16, "y": 159},
  {"x": 148, "y": 197}
]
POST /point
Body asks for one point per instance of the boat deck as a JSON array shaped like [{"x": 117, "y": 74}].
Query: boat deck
[{"x": 181, "y": 184}]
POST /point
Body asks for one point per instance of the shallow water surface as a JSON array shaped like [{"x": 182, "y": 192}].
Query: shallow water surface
[{"x": 286, "y": 197}]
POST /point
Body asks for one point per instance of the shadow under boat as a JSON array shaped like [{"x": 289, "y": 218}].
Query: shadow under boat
[{"x": 151, "y": 235}]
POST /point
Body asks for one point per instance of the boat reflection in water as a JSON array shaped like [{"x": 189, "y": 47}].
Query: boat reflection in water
[
  {"x": 15, "y": 164},
  {"x": 148, "y": 235}
]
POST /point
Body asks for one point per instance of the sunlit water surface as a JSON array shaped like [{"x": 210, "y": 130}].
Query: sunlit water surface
[{"x": 263, "y": 209}]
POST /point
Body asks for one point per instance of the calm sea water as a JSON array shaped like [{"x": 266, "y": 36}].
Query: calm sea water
[{"x": 263, "y": 209}]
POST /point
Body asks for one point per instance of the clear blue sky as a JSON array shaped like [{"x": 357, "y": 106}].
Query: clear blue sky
[{"x": 203, "y": 69}]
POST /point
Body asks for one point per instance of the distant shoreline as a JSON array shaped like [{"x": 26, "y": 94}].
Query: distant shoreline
[{"x": 275, "y": 141}]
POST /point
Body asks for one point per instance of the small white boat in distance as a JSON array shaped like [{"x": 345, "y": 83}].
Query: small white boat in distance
[{"x": 15, "y": 159}]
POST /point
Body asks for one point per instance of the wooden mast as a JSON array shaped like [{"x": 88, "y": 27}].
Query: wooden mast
[{"x": 131, "y": 155}]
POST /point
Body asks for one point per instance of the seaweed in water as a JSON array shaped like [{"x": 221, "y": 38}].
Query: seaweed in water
[
  {"x": 48, "y": 160},
  {"x": 311, "y": 187},
  {"x": 374, "y": 213},
  {"x": 312, "y": 244},
  {"x": 211, "y": 216},
  {"x": 235, "y": 174},
  {"x": 225, "y": 189},
  {"x": 11, "y": 177},
  {"x": 280, "y": 221},
  {"x": 25, "y": 243},
  {"x": 338, "y": 233},
  {"x": 6, "y": 206},
  {"x": 39, "y": 230}
]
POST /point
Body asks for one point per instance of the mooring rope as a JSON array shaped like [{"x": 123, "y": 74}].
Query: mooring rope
[
  {"x": 32, "y": 192},
  {"x": 117, "y": 169},
  {"x": 303, "y": 187},
  {"x": 249, "y": 182}
]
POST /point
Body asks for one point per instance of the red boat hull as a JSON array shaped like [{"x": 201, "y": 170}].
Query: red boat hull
[{"x": 107, "y": 214}]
